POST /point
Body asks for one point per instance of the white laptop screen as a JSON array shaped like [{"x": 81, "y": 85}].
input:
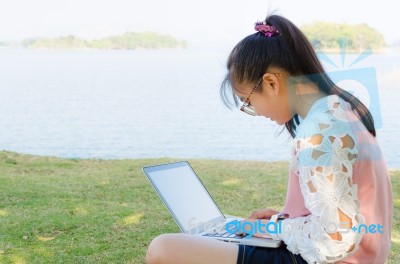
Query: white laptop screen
[{"x": 183, "y": 193}]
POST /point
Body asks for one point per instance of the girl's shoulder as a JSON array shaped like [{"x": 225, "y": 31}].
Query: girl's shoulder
[{"x": 328, "y": 115}]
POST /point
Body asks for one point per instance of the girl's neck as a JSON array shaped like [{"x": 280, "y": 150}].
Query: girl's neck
[{"x": 306, "y": 94}]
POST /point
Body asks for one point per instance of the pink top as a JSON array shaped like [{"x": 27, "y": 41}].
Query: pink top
[{"x": 345, "y": 171}]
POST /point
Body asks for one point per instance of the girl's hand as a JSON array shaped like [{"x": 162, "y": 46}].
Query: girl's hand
[
  {"x": 253, "y": 227},
  {"x": 263, "y": 214}
]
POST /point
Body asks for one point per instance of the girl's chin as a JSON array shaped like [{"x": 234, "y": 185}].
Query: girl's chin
[
  {"x": 269, "y": 118},
  {"x": 276, "y": 121},
  {"x": 279, "y": 122}
]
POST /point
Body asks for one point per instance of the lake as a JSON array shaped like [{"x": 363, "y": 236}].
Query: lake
[{"x": 143, "y": 104}]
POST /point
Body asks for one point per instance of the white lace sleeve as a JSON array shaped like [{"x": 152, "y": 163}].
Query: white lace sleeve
[{"x": 324, "y": 166}]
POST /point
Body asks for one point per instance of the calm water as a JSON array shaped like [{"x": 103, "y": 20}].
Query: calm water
[{"x": 136, "y": 104}]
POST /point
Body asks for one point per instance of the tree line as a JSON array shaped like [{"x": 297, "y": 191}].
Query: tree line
[
  {"x": 327, "y": 35},
  {"x": 129, "y": 40},
  {"x": 322, "y": 35}
]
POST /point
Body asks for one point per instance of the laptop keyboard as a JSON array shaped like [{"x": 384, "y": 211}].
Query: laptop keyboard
[
  {"x": 224, "y": 235},
  {"x": 221, "y": 232}
]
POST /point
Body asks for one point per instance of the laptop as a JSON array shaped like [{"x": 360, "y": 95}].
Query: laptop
[{"x": 193, "y": 208}]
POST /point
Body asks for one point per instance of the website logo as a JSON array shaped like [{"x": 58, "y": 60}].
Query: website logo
[
  {"x": 258, "y": 227},
  {"x": 360, "y": 82}
]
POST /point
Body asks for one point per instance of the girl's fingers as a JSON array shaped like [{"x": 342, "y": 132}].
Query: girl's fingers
[
  {"x": 256, "y": 214},
  {"x": 263, "y": 214}
]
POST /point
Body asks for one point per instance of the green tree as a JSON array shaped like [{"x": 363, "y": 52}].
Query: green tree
[
  {"x": 327, "y": 35},
  {"x": 130, "y": 40}
]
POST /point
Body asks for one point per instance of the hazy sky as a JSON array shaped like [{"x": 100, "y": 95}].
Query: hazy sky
[{"x": 202, "y": 23}]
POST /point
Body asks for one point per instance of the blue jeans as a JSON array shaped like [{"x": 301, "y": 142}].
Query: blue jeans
[{"x": 260, "y": 255}]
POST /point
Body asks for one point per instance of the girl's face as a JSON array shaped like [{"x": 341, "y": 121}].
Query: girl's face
[{"x": 270, "y": 99}]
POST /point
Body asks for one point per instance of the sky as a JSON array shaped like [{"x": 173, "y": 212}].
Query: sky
[{"x": 205, "y": 23}]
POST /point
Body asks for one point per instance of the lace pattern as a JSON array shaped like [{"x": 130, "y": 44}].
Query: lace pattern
[{"x": 323, "y": 154}]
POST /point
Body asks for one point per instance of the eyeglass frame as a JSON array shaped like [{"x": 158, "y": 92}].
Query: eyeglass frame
[{"x": 246, "y": 106}]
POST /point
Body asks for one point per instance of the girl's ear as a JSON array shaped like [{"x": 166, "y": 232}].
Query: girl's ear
[{"x": 271, "y": 82}]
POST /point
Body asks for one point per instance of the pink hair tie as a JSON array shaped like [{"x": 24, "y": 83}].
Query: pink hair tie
[{"x": 265, "y": 29}]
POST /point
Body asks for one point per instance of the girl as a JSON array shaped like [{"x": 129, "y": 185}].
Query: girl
[{"x": 339, "y": 199}]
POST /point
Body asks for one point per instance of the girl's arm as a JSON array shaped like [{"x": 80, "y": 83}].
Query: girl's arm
[{"x": 325, "y": 172}]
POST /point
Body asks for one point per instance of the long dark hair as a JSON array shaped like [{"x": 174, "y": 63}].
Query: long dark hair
[{"x": 290, "y": 51}]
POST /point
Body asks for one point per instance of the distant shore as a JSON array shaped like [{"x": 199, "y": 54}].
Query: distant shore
[
  {"x": 326, "y": 51},
  {"x": 6, "y": 153},
  {"x": 353, "y": 51},
  {"x": 126, "y": 41}
]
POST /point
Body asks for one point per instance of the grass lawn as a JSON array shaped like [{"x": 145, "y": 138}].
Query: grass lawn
[{"x": 105, "y": 211}]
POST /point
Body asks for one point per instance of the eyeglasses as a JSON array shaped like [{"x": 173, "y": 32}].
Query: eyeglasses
[{"x": 247, "y": 107}]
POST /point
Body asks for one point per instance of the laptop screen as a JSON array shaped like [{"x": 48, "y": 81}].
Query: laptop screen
[{"x": 183, "y": 193}]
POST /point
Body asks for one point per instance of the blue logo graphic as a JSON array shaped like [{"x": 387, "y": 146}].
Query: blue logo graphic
[
  {"x": 365, "y": 229},
  {"x": 257, "y": 227},
  {"x": 251, "y": 228},
  {"x": 360, "y": 82}
]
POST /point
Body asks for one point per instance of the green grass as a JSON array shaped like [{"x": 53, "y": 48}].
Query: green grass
[{"x": 105, "y": 211}]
